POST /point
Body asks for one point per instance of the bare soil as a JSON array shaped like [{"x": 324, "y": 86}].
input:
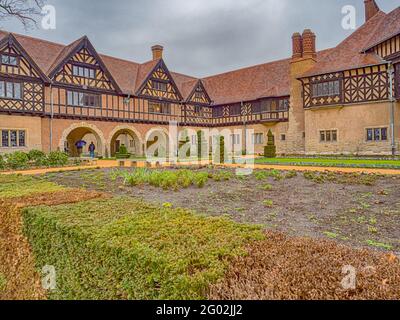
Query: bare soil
[{"x": 357, "y": 210}]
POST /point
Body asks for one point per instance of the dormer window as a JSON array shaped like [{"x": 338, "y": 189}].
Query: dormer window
[
  {"x": 159, "y": 86},
  {"x": 9, "y": 60},
  {"x": 84, "y": 72}
]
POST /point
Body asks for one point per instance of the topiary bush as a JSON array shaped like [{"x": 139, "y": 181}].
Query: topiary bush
[
  {"x": 270, "y": 149},
  {"x": 122, "y": 153}
]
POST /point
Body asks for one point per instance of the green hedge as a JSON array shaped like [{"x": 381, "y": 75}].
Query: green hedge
[
  {"x": 125, "y": 249},
  {"x": 33, "y": 159}
]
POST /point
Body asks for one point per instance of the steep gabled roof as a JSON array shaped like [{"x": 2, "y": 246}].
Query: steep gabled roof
[
  {"x": 144, "y": 72},
  {"x": 260, "y": 81},
  {"x": 66, "y": 53},
  {"x": 184, "y": 83},
  {"x": 147, "y": 69},
  {"x": 43, "y": 52},
  {"x": 72, "y": 49},
  {"x": 10, "y": 38},
  {"x": 388, "y": 28},
  {"x": 348, "y": 54}
]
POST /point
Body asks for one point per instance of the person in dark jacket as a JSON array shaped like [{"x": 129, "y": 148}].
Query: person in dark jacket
[{"x": 92, "y": 149}]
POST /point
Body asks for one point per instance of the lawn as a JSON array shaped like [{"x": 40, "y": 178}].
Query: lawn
[
  {"x": 332, "y": 162},
  {"x": 14, "y": 186}
]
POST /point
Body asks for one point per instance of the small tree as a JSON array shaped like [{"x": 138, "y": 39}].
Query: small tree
[
  {"x": 222, "y": 149},
  {"x": 270, "y": 149},
  {"x": 200, "y": 144}
]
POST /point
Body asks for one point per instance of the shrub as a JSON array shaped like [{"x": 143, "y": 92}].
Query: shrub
[
  {"x": 270, "y": 149},
  {"x": 17, "y": 160},
  {"x": 222, "y": 149},
  {"x": 57, "y": 159},
  {"x": 38, "y": 158},
  {"x": 2, "y": 163},
  {"x": 123, "y": 153},
  {"x": 133, "y": 250}
]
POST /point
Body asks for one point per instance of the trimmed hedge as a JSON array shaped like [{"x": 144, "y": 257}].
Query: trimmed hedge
[
  {"x": 126, "y": 249},
  {"x": 33, "y": 159}
]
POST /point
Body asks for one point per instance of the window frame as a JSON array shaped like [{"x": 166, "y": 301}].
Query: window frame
[
  {"x": 162, "y": 105},
  {"x": 371, "y": 135},
  {"x": 255, "y": 139},
  {"x": 9, "y": 55},
  {"x": 84, "y": 68},
  {"x": 322, "y": 89},
  {"x": 9, "y": 138},
  {"x": 77, "y": 94},
  {"x": 329, "y": 136},
  {"x": 6, "y": 83},
  {"x": 156, "y": 84}
]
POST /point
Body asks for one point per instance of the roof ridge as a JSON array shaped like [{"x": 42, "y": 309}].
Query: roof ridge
[
  {"x": 244, "y": 68},
  {"x": 117, "y": 58},
  {"x": 34, "y": 38}
]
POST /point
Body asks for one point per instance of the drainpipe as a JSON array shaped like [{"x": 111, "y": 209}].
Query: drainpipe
[
  {"x": 51, "y": 116},
  {"x": 391, "y": 97},
  {"x": 245, "y": 130}
]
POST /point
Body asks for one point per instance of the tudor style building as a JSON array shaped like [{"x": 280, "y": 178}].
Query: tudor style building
[{"x": 336, "y": 101}]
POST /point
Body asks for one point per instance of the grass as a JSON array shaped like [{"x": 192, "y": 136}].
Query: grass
[
  {"x": 18, "y": 186},
  {"x": 126, "y": 249},
  {"x": 379, "y": 245},
  {"x": 341, "y": 178},
  {"x": 332, "y": 162},
  {"x": 169, "y": 179}
]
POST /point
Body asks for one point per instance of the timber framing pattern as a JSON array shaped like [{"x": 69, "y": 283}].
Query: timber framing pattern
[{"x": 49, "y": 80}]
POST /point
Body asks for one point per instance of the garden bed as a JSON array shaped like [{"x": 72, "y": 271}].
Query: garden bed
[{"x": 356, "y": 209}]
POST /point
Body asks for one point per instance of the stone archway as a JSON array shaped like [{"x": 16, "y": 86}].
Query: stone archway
[
  {"x": 127, "y": 136},
  {"x": 82, "y": 131}
]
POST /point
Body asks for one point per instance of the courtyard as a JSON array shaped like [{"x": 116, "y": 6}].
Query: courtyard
[{"x": 200, "y": 232}]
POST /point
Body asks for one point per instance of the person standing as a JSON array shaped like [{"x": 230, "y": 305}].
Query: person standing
[{"x": 92, "y": 149}]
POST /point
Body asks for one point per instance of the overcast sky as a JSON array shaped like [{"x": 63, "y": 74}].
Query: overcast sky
[{"x": 201, "y": 37}]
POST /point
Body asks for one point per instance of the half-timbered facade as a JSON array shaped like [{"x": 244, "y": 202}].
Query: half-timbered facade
[{"x": 333, "y": 101}]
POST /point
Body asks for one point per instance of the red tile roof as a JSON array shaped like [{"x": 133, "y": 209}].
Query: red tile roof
[
  {"x": 388, "y": 28},
  {"x": 264, "y": 80},
  {"x": 347, "y": 55}
]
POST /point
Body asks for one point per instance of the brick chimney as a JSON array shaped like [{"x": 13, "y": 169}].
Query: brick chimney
[
  {"x": 157, "y": 52},
  {"x": 309, "y": 45},
  {"x": 371, "y": 9},
  {"x": 297, "y": 45}
]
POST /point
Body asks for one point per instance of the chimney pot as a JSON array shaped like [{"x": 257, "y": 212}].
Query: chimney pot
[
  {"x": 297, "y": 45},
  {"x": 157, "y": 52},
  {"x": 371, "y": 9},
  {"x": 309, "y": 44}
]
